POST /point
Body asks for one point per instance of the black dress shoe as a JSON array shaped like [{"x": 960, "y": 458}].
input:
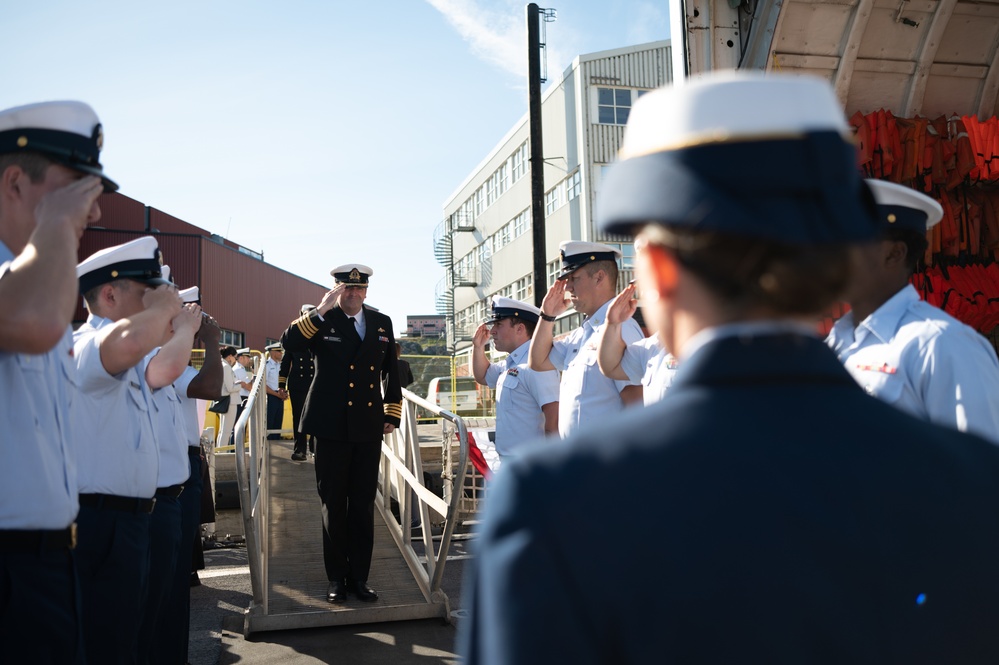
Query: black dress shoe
[
  {"x": 336, "y": 592},
  {"x": 298, "y": 457},
  {"x": 363, "y": 591}
]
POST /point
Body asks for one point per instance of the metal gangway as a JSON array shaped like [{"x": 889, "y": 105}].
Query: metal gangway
[{"x": 283, "y": 526}]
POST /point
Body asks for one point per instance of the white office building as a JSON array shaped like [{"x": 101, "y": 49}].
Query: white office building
[{"x": 485, "y": 241}]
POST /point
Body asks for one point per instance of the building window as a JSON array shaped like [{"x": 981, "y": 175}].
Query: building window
[
  {"x": 520, "y": 162},
  {"x": 573, "y": 186},
  {"x": 485, "y": 250},
  {"x": 553, "y": 269},
  {"x": 523, "y": 290},
  {"x": 613, "y": 106},
  {"x": 627, "y": 253},
  {"x": 503, "y": 237},
  {"x": 521, "y": 223},
  {"x": 502, "y": 179},
  {"x": 491, "y": 190},
  {"x": 478, "y": 202},
  {"x": 554, "y": 198},
  {"x": 231, "y": 338}
]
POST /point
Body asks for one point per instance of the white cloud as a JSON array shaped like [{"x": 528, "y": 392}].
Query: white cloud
[
  {"x": 494, "y": 35},
  {"x": 648, "y": 23}
]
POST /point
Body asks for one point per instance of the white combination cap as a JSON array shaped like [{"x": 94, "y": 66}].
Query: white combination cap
[
  {"x": 139, "y": 260},
  {"x": 67, "y": 132}
]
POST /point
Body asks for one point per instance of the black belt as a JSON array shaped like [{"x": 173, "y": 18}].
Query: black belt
[
  {"x": 173, "y": 491},
  {"x": 33, "y": 541},
  {"x": 113, "y": 502}
]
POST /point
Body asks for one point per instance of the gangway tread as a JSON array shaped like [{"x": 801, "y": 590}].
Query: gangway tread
[{"x": 296, "y": 578}]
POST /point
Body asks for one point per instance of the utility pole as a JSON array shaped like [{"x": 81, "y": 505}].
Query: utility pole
[{"x": 535, "y": 19}]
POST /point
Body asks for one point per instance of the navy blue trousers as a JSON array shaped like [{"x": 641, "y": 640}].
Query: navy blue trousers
[
  {"x": 173, "y": 631},
  {"x": 40, "y": 608},
  {"x": 164, "y": 554},
  {"x": 347, "y": 477},
  {"x": 275, "y": 414},
  {"x": 112, "y": 555}
]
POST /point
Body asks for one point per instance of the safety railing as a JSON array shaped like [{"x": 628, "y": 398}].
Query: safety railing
[
  {"x": 252, "y": 487},
  {"x": 401, "y": 479}
]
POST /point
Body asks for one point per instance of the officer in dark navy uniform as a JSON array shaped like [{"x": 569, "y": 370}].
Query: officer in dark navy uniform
[
  {"x": 50, "y": 178},
  {"x": 295, "y": 375},
  {"x": 770, "y": 510},
  {"x": 353, "y": 346}
]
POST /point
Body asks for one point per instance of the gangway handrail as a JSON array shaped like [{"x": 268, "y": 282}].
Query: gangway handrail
[
  {"x": 430, "y": 577},
  {"x": 254, "y": 525},
  {"x": 403, "y": 469}
]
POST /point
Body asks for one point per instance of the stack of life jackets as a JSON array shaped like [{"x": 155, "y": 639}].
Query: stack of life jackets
[{"x": 969, "y": 293}]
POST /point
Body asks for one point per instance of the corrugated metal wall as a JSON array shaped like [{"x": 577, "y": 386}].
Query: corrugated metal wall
[
  {"x": 249, "y": 296},
  {"x": 164, "y": 223},
  {"x": 120, "y": 212},
  {"x": 243, "y": 294}
]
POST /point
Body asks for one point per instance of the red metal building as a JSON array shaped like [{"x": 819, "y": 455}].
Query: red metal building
[{"x": 252, "y": 301}]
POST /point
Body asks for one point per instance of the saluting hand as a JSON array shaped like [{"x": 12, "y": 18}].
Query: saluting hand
[
  {"x": 164, "y": 297},
  {"x": 554, "y": 302},
  {"x": 189, "y": 318},
  {"x": 481, "y": 336},
  {"x": 72, "y": 205},
  {"x": 623, "y": 307},
  {"x": 331, "y": 299},
  {"x": 209, "y": 332}
]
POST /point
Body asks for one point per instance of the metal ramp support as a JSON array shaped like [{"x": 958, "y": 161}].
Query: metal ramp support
[{"x": 283, "y": 526}]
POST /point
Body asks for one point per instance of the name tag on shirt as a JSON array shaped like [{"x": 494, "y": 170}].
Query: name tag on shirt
[
  {"x": 884, "y": 369},
  {"x": 332, "y": 339}
]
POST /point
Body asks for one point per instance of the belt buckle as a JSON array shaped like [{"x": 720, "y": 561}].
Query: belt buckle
[{"x": 72, "y": 536}]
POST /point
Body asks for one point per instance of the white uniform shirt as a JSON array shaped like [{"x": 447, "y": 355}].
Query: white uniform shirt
[
  {"x": 189, "y": 407},
  {"x": 520, "y": 394},
  {"x": 38, "y": 487},
  {"x": 168, "y": 424},
  {"x": 272, "y": 368},
  {"x": 586, "y": 396},
  {"x": 922, "y": 360},
  {"x": 244, "y": 375},
  {"x": 648, "y": 362},
  {"x": 117, "y": 455}
]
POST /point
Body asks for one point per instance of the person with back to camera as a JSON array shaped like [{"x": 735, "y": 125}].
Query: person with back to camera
[{"x": 783, "y": 515}]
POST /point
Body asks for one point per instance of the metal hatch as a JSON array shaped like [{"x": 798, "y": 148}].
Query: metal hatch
[{"x": 912, "y": 57}]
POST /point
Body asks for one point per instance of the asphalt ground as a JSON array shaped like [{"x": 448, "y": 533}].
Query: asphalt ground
[{"x": 218, "y": 604}]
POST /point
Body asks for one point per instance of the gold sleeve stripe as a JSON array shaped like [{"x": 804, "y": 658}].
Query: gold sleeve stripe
[
  {"x": 394, "y": 409},
  {"x": 310, "y": 324},
  {"x": 306, "y": 327}
]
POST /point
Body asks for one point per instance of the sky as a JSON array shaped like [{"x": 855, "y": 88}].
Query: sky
[{"x": 318, "y": 132}]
